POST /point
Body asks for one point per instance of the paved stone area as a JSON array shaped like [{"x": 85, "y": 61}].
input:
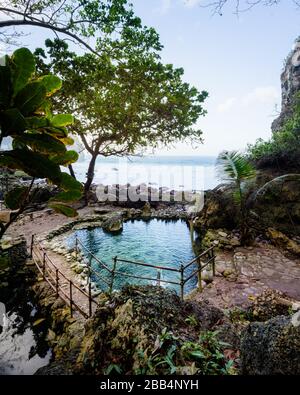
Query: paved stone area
[{"x": 248, "y": 272}]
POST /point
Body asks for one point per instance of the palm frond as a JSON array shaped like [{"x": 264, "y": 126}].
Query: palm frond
[
  {"x": 233, "y": 166},
  {"x": 275, "y": 181}
]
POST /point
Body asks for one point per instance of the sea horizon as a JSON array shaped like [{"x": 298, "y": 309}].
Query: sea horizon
[{"x": 187, "y": 172}]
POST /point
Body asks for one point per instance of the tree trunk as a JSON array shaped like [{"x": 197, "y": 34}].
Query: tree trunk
[
  {"x": 71, "y": 170},
  {"x": 89, "y": 177}
]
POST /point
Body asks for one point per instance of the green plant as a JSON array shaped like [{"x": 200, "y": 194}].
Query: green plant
[
  {"x": 39, "y": 137},
  {"x": 171, "y": 355},
  {"x": 234, "y": 167}
]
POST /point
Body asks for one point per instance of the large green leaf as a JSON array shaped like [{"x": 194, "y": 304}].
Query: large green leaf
[
  {"x": 12, "y": 122},
  {"x": 32, "y": 163},
  {"x": 5, "y": 84},
  {"x": 51, "y": 83},
  {"x": 63, "y": 209},
  {"x": 30, "y": 98},
  {"x": 15, "y": 198},
  {"x": 62, "y": 120},
  {"x": 43, "y": 143},
  {"x": 69, "y": 196},
  {"x": 66, "y": 159},
  {"x": 23, "y": 67},
  {"x": 69, "y": 183},
  {"x": 37, "y": 122}
]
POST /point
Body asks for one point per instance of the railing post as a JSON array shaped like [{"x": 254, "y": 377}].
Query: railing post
[
  {"x": 57, "y": 285},
  {"x": 113, "y": 274},
  {"x": 158, "y": 278},
  {"x": 90, "y": 300},
  {"x": 181, "y": 282},
  {"x": 71, "y": 299},
  {"x": 90, "y": 269},
  {"x": 31, "y": 245},
  {"x": 44, "y": 263},
  {"x": 213, "y": 262},
  {"x": 76, "y": 248},
  {"x": 199, "y": 275}
]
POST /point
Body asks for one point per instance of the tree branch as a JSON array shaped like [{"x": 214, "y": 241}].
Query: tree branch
[{"x": 44, "y": 25}]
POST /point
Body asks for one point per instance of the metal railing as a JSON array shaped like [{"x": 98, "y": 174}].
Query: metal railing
[
  {"x": 208, "y": 255},
  {"x": 63, "y": 286}
]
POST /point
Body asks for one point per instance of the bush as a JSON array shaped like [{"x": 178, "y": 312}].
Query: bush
[{"x": 282, "y": 150}]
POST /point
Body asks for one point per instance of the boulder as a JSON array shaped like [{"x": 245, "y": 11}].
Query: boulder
[
  {"x": 272, "y": 347},
  {"x": 5, "y": 216},
  {"x": 282, "y": 241},
  {"x": 113, "y": 224}
]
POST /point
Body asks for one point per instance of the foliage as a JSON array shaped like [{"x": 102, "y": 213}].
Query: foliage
[
  {"x": 236, "y": 168},
  {"x": 38, "y": 136},
  {"x": 126, "y": 101},
  {"x": 76, "y": 20},
  {"x": 282, "y": 150},
  {"x": 172, "y": 356}
]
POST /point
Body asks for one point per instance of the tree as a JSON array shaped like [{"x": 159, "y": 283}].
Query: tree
[
  {"x": 236, "y": 168},
  {"x": 39, "y": 137},
  {"x": 76, "y": 20},
  {"x": 239, "y": 6},
  {"x": 125, "y": 102}
]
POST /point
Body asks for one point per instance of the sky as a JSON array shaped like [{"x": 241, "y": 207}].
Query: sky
[{"x": 238, "y": 60}]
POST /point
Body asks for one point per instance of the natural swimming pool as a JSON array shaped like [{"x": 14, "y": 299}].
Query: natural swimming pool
[{"x": 157, "y": 242}]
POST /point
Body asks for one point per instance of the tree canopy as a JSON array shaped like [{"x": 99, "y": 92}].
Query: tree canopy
[
  {"x": 240, "y": 6},
  {"x": 123, "y": 102},
  {"x": 76, "y": 20}
]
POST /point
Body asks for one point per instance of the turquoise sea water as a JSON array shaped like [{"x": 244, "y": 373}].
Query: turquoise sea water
[
  {"x": 178, "y": 172},
  {"x": 157, "y": 242}
]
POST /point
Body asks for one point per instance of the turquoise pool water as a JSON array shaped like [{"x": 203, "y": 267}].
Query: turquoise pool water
[{"x": 158, "y": 242}]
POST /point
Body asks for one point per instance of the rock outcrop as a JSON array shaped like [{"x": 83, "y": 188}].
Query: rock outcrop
[
  {"x": 290, "y": 86},
  {"x": 272, "y": 347}
]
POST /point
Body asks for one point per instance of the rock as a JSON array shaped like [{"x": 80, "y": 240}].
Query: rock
[
  {"x": 282, "y": 241},
  {"x": 113, "y": 224},
  {"x": 290, "y": 85},
  {"x": 222, "y": 234},
  {"x": 146, "y": 211},
  {"x": 268, "y": 305},
  {"x": 5, "y": 216},
  {"x": 207, "y": 276},
  {"x": 272, "y": 347}
]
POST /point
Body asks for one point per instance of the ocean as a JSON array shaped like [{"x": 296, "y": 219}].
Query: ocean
[{"x": 174, "y": 172}]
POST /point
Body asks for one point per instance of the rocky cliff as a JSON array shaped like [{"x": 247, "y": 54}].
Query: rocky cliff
[{"x": 290, "y": 85}]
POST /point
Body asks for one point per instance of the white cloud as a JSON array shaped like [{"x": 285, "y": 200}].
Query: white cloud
[
  {"x": 262, "y": 95},
  {"x": 227, "y": 104}
]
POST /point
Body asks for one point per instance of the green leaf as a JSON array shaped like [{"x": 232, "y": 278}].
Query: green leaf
[
  {"x": 15, "y": 198},
  {"x": 30, "y": 98},
  {"x": 23, "y": 67},
  {"x": 32, "y": 163},
  {"x": 66, "y": 159},
  {"x": 51, "y": 83},
  {"x": 62, "y": 120},
  {"x": 5, "y": 83},
  {"x": 37, "y": 122},
  {"x": 69, "y": 196},
  {"x": 63, "y": 209},
  {"x": 12, "y": 122},
  {"x": 69, "y": 183},
  {"x": 43, "y": 143}
]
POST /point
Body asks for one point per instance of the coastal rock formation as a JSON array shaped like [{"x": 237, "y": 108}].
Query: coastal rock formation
[
  {"x": 272, "y": 347},
  {"x": 290, "y": 86},
  {"x": 113, "y": 224}
]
